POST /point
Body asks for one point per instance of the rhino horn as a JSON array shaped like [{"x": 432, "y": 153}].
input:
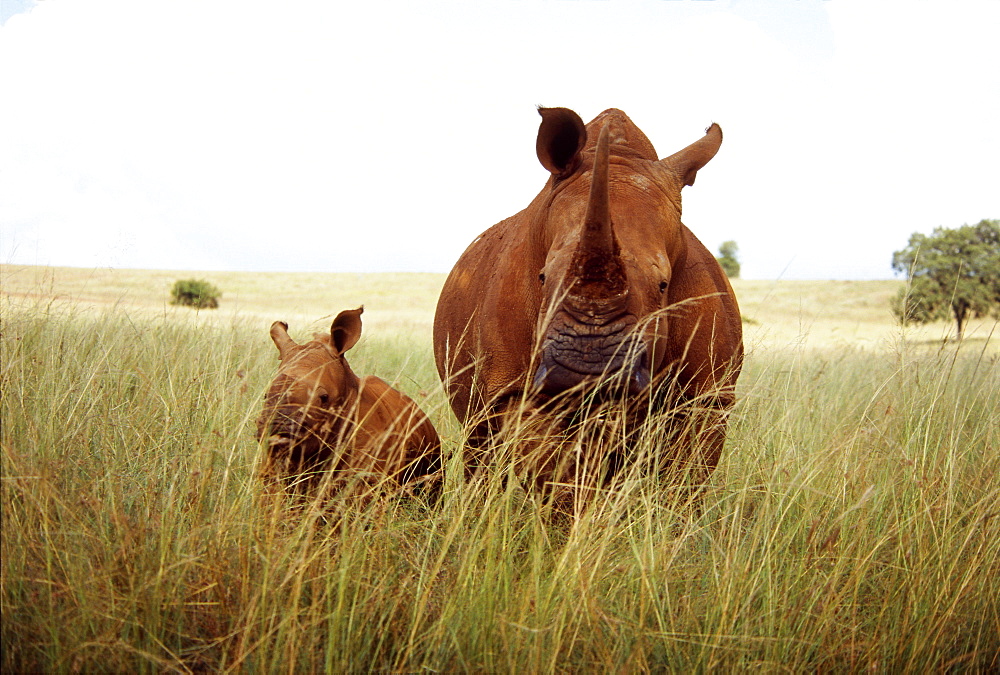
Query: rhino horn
[
  {"x": 599, "y": 276},
  {"x": 279, "y": 334},
  {"x": 597, "y": 234}
]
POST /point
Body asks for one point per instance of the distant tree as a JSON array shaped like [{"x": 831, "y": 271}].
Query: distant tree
[
  {"x": 195, "y": 293},
  {"x": 950, "y": 273},
  {"x": 728, "y": 260}
]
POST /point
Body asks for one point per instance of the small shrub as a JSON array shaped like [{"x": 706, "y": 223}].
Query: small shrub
[
  {"x": 195, "y": 293},
  {"x": 728, "y": 259}
]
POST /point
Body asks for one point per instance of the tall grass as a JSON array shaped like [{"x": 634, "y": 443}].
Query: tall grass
[{"x": 854, "y": 523}]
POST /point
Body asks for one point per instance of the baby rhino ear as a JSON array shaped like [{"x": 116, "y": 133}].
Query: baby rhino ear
[
  {"x": 279, "y": 334},
  {"x": 346, "y": 329}
]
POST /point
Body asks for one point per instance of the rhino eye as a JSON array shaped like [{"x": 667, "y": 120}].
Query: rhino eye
[
  {"x": 663, "y": 286},
  {"x": 324, "y": 399},
  {"x": 541, "y": 277}
]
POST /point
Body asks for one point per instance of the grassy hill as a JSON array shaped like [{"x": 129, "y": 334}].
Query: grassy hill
[
  {"x": 778, "y": 313},
  {"x": 297, "y": 298}
]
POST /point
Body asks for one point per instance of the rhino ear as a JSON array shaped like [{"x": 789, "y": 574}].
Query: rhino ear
[
  {"x": 346, "y": 329},
  {"x": 279, "y": 334},
  {"x": 561, "y": 137},
  {"x": 688, "y": 161}
]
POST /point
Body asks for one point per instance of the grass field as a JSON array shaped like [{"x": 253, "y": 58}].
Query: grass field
[{"x": 853, "y": 524}]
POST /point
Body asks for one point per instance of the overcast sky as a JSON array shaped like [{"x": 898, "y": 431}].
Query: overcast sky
[{"x": 384, "y": 136}]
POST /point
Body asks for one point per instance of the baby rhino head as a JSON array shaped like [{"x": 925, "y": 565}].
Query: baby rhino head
[{"x": 305, "y": 408}]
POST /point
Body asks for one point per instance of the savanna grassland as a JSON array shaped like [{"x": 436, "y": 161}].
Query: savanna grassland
[{"x": 853, "y": 523}]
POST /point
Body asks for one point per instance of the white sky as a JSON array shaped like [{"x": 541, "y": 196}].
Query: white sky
[{"x": 385, "y": 135}]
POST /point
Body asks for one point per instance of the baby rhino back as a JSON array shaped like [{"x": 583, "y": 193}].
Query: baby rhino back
[{"x": 392, "y": 433}]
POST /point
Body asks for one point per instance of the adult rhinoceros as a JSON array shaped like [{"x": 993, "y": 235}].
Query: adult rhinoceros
[{"x": 595, "y": 293}]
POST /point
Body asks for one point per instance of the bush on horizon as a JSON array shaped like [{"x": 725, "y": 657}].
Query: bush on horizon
[{"x": 196, "y": 293}]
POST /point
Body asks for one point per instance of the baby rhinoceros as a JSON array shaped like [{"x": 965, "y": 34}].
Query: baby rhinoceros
[{"x": 326, "y": 428}]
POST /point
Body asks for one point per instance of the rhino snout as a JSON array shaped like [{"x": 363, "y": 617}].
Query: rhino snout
[
  {"x": 288, "y": 425},
  {"x": 616, "y": 368}
]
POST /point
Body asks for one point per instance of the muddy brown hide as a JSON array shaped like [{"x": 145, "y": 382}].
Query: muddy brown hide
[
  {"x": 323, "y": 427},
  {"x": 595, "y": 298}
]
